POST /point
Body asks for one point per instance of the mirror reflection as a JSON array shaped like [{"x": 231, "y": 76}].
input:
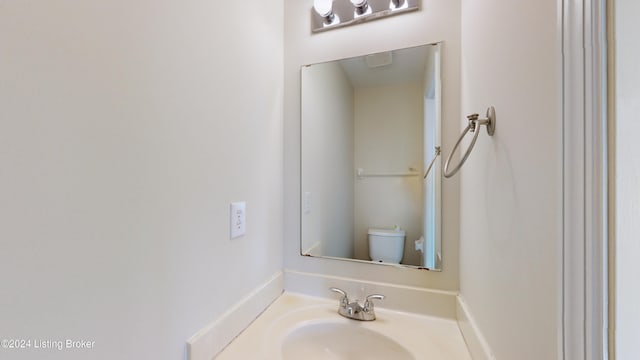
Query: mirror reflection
[{"x": 370, "y": 130}]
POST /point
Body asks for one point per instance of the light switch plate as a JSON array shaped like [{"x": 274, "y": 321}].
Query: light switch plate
[{"x": 238, "y": 219}]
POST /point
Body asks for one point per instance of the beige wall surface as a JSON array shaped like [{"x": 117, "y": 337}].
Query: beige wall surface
[
  {"x": 388, "y": 139},
  {"x": 327, "y": 179},
  {"x": 510, "y": 209},
  {"x": 126, "y": 130}
]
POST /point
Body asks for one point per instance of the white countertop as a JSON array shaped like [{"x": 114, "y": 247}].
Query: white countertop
[{"x": 425, "y": 337}]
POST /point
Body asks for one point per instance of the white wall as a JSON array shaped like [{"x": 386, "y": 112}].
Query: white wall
[
  {"x": 327, "y": 107},
  {"x": 388, "y": 139},
  {"x": 126, "y": 129},
  {"x": 510, "y": 191},
  {"x": 627, "y": 178},
  {"x": 438, "y": 20}
]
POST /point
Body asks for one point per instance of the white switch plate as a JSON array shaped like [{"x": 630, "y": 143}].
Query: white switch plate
[{"x": 238, "y": 219}]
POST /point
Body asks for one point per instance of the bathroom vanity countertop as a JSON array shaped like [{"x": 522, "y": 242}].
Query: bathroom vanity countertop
[{"x": 425, "y": 337}]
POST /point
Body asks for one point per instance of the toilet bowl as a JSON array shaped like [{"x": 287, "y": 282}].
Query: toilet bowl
[{"x": 386, "y": 245}]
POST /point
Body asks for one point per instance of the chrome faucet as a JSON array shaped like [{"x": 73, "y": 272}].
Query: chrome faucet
[{"x": 353, "y": 310}]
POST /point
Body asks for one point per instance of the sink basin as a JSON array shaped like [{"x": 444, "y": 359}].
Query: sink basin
[
  {"x": 330, "y": 340},
  {"x": 298, "y": 327}
]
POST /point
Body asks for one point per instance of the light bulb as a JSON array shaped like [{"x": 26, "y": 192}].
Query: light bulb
[
  {"x": 398, "y": 4},
  {"x": 324, "y": 8}
]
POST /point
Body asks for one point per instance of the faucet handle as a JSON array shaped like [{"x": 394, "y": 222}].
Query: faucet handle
[
  {"x": 345, "y": 299},
  {"x": 368, "y": 305}
]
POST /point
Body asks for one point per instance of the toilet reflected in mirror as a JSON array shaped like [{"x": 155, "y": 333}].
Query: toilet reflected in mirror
[{"x": 386, "y": 245}]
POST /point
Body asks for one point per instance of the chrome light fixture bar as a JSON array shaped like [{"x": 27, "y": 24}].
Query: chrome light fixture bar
[{"x": 334, "y": 14}]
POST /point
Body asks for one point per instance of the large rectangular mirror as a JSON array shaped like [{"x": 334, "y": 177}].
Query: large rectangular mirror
[{"x": 371, "y": 128}]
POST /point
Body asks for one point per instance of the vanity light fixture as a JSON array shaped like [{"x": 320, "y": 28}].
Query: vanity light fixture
[
  {"x": 324, "y": 8},
  {"x": 334, "y": 14}
]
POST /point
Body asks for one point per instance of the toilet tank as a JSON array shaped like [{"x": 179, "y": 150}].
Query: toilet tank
[{"x": 386, "y": 245}]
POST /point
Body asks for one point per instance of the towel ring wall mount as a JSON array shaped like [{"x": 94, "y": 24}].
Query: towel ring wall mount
[{"x": 474, "y": 123}]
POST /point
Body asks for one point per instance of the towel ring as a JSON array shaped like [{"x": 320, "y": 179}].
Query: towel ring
[{"x": 474, "y": 124}]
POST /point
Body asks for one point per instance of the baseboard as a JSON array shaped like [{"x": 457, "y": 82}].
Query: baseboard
[
  {"x": 476, "y": 343},
  {"x": 213, "y": 338},
  {"x": 422, "y": 301}
]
